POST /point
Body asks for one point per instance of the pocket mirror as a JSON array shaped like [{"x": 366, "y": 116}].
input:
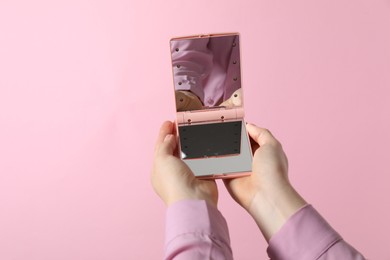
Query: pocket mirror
[{"x": 213, "y": 140}]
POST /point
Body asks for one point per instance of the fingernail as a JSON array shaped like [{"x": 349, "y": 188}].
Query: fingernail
[{"x": 168, "y": 138}]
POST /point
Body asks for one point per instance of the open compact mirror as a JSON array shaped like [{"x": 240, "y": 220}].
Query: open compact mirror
[{"x": 213, "y": 140}]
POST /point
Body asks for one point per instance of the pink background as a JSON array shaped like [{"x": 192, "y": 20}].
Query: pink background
[{"x": 84, "y": 86}]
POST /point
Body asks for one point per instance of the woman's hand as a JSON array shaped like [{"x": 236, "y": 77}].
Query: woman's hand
[
  {"x": 171, "y": 178},
  {"x": 267, "y": 193}
]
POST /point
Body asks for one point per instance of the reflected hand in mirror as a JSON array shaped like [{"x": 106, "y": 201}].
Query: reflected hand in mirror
[
  {"x": 235, "y": 100},
  {"x": 186, "y": 100}
]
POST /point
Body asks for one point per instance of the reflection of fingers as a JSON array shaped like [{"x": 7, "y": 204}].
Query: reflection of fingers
[
  {"x": 168, "y": 145},
  {"x": 260, "y": 135},
  {"x": 166, "y": 129}
]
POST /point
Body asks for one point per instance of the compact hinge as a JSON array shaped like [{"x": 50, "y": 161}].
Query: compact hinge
[{"x": 210, "y": 115}]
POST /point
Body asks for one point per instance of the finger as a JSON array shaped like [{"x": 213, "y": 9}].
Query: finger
[
  {"x": 261, "y": 136},
  {"x": 230, "y": 185},
  {"x": 227, "y": 182},
  {"x": 167, "y": 147},
  {"x": 174, "y": 132},
  {"x": 166, "y": 128},
  {"x": 254, "y": 145}
]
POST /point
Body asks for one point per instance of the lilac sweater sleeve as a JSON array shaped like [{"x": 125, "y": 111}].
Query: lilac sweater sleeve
[
  {"x": 307, "y": 236},
  {"x": 196, "y": 230}
]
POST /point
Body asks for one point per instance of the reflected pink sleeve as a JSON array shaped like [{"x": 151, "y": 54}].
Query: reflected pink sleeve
[
  {"x": 196, "y": 230},
  {"x": 192, "y": 62},
  {"x": 307, "y": 236}
]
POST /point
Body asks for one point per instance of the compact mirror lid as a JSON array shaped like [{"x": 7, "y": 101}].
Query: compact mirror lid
[{"x": 206, "y": 71}]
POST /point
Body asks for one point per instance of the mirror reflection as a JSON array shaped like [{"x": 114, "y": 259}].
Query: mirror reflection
[{"x": 206, "y": 72}]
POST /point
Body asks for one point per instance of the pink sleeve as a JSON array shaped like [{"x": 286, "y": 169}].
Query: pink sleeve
[
  {"x": 196, "y": 230},
  {"x": 307, "y": 236}
]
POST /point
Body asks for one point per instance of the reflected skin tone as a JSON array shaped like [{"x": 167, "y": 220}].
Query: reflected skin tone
[
  {"x": 186, "y": 100},
  {"x": 266, "y": 194}
]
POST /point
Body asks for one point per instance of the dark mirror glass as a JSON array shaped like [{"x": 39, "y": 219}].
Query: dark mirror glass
[{"x": 210, "y": 140}]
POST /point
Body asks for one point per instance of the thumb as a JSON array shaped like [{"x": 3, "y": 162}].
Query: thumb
[
  {"x": 261, "y": 136},
  {"x": 167, "y": 147}
]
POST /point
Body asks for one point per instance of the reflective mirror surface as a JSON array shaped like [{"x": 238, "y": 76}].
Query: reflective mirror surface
[{"x": 206, "y": 72}]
